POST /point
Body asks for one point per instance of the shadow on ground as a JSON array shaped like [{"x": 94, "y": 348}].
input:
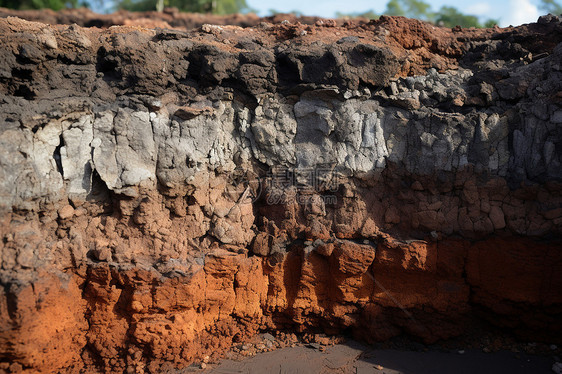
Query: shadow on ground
[{"x": 353, "y": 357}]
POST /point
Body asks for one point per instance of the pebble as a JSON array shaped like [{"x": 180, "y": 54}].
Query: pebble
[
  {"x": 348, "y": 39},
  {"x": 66, "y": 211},
  {"x": 378, "y": 367},
  {"x": 461, "y": 352},
  {"x": 557, "y": 368},
  {"x": 47, "y": 37},
  {"x": 211, "y": 28},
  {"x": 318, "y": 242}
]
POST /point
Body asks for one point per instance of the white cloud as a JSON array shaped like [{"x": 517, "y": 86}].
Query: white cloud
[
  {"x": 478, "y": 9},
  {"x": 520, "y": 11}
]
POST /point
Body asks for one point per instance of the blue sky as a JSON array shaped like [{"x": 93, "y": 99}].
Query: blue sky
[{"x": 509, "y": 12}]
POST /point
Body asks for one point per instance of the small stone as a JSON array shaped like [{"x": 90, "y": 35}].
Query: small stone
[
  {"x": 497, "y": 217},
  {"x": 206, "y": 359},
  {"x": 392, "y": 215},
  {"x": 348, "y": 39},
  {"x": 378, "y": 367},
  {"x": 102, "y": 254},
  {"x": 203, "y": 365},
  {"x": 303, "y": 33},
  {"x": 308, "y": 250},
  {"x": 211, "y": 28},
  {"x": 557, "y": 368},
  {"x": 268, "y": 336},
  {"x": 26, "y": 256},
  {"x": 80, "y": 212},
  {"x": 394, "y": 88},
  {"x": 461, "y": 352},
  {"x": 556, "y": 117},
  {"x": 417, "y": 186},
  {"x": 76, "y": 34},
  {"x": 66, "y": 211},
  {"x": 486, "y": 350},
  {"x": 318, "y": 242},
  {"x": 325, "y": 249},
  {"x": 314, "y": 345},
  {"x": 553, "y": 347},
  {"x": 48, "y": 39},
  {"x": 136, "y": 306}
]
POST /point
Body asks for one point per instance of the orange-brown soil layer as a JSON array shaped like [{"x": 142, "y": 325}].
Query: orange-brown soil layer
[{"x": 123, "y": 311}]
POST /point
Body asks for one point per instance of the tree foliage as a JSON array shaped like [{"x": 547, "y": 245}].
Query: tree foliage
[
  {"x": 450, "y": 17},
  {"x": 550, "y": 6},
  {"x": 195, "y": 6},
  {"x": 409, "y": 8},
  {"x": 296, "y": 13},
  {"x": 368, "y": 14},
  {"x": 39, "y": 4},
  {"x": 446, "y": 16}
]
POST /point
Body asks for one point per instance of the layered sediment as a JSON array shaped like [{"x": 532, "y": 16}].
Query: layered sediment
[{"x": 167, "y": 192}]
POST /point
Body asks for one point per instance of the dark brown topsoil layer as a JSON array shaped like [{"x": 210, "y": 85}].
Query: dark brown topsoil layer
[{"x": 171, "y": 17}]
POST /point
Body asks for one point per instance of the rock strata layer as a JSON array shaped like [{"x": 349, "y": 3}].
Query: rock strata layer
[{"x": 165, "y": 193}]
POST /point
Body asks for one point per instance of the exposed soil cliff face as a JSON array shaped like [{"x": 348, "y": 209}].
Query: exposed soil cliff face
[{"x": 165, "y": 193}]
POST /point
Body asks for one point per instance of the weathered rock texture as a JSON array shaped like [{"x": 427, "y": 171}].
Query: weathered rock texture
[{"x": 165, "y": 193}]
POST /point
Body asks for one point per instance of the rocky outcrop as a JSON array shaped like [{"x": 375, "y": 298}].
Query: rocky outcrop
[{"x": 165, "y": 193}]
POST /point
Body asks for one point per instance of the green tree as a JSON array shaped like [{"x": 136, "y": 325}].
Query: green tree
[
  {"x": 550, "y": 6},
  {"x": 370, "y": 14},
  {"x": 296, "y": 13},
  {"x": 446, "y": 16},
  {"x": 449, "y": 16},
  {"x": 195, "y": 6},
  {"x": 40, "y": 4},
  {"x": 409, "y": 8},
  {"x": 491, "y": 23}
]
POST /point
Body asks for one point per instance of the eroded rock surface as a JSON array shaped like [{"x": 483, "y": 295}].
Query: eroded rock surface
[{"x": 167, "y": 192}]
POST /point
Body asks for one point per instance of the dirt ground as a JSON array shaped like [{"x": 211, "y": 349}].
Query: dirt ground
[{"x": 353, "y": 357}]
